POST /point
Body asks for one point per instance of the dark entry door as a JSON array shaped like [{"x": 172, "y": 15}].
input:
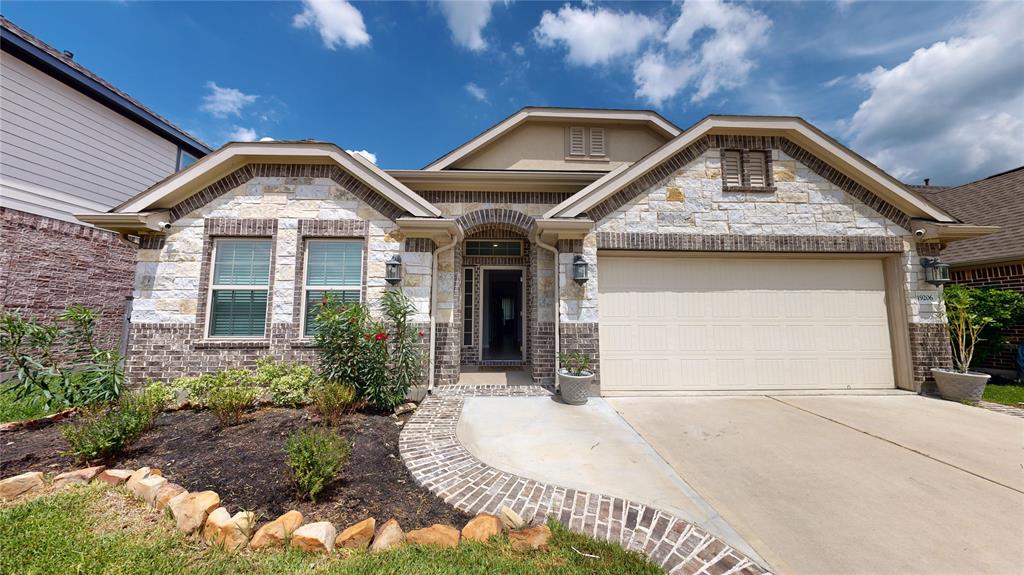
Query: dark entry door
[{"x": 503, "y": 315}]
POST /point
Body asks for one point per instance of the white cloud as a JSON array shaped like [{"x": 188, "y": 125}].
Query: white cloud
[
  {"x": 595, "y": 36},
  {"x": 467, "y": 20},
  {"x": 730, "y": 35},
  {"x": 266, "y": 139},
  {"x": 518, "y": 49},
  {"x": 709, "y": 47},
  {"x": 242, "y": 134},
  {"x": 337, "y": 21},
  {"x": 953, "y": 111},
  {"x": 224, "y": 102},
  {"x": 364, "y": 153},
  {"x": 478, "y": 93}
]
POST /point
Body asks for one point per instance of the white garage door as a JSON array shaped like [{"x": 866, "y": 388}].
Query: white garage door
[{"x": 705, "y": 324}]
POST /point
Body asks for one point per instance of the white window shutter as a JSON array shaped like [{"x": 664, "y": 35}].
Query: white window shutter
[
  {"x": 731, "y": 168},
  {"x": 757, "y": 169},
  {"x": 577, "y": 142},
  {"x": 597, "y": 147}
]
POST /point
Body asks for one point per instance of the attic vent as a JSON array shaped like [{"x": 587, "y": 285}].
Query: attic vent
[
  {"x": 731, "y": 168},
  {"x": 577, "y": 142},
  {"x": 597, "y": 142},
  {"x": 756, "y": 171}
]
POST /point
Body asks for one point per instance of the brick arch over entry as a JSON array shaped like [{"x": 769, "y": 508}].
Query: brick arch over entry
[{"x": 496, "y": 218}]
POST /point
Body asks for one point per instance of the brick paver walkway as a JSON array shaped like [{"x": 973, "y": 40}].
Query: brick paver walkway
[
  {"x": 436, "y": 459},
  {"x": 1007, "y": 409}
]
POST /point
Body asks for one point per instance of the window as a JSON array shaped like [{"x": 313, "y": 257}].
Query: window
[
  {"x": 494, "y": 248},
  {"x": 185, "y": 159},
  {"x": 586, "y": 142},
  {"x": 335, "y": 268},
  {"x": 238, "y": 291},
  {"x": 745, "y": 169},
  {"x": 467, "y": 306}
]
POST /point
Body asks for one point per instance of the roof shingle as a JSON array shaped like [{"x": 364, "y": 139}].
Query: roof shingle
[{"x": 995, "y": 201}]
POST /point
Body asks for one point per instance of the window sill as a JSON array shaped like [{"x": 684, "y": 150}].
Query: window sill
[
  {"x": 302, "y": 344},
  {"x": 592, "y": 159},
  {"x": 232, "y": 344},
  {"x": 758, "y": 189}
]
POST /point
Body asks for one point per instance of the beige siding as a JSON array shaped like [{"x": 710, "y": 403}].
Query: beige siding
[
  {"x": 544, "y": 146},
  {"x": 62, "y": 152}
]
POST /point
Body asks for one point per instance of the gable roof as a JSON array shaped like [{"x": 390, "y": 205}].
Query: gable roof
[
  {"x": 63, "y": 67},
  {"x": 649, "y": 117},
  {"x": 178, "y": 187},
  {"x": 996, "y": 201},
  {"x": 794, "y": 128}
]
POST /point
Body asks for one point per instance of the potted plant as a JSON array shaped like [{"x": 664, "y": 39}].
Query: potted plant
[
  {"x": 574, "y": 377},
  {"x": 964, "y": 324}
]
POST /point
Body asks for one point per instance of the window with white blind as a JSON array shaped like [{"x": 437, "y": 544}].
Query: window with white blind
[
  {"x": 239, "y": 287},
  {"x": 745, "y": 169},
  {"x": 333, "y": 268}
]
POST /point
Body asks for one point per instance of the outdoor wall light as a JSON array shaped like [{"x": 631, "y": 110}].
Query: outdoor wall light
[
  {"x": 935, "y": 271},
  {"x": 393, "y": 270},
  {"x": 579, "y": 270}
]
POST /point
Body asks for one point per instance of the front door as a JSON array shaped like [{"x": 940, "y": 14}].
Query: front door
[{"x": 502, "y": 333}]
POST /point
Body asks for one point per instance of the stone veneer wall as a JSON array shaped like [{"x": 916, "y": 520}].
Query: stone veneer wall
[
  {"x": 810, "y": 207},
  {"x": 48, "y": 264},
  {"x": 172, "y": 277}
]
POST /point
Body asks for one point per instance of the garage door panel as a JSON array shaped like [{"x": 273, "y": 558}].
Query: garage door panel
[{"x": 742, "y": 324}]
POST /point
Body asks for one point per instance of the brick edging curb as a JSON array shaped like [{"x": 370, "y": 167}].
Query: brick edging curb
[{"x": 438, "y": 461}]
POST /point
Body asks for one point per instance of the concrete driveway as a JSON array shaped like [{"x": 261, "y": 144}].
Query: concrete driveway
[{"x": 851, "y": 484}]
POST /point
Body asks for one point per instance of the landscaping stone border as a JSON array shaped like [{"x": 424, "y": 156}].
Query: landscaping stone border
[
  {"x": 1001, "y": 408},
  {"x": 438, "y": 461}
]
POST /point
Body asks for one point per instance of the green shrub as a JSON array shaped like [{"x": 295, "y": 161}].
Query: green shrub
[
  {"x": 230, "y": 402},
  {"x": 380, "y": 359},
  {"x": 159, "y": 390},
  {"x": 315, "y": 456},
  {"x": 993, "y": 309},
  {"x": 198, "y": 386},
  {"x": 102, "y": 432},
  {"x": 288, "y": 383},
  {"x": 331, "y": 401}
]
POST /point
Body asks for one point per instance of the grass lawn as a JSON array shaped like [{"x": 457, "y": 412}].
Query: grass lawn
[
  {"x": 1008, "y": 394},
  {"x": 95, "y": 529}
]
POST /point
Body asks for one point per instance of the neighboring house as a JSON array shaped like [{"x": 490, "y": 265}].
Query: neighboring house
[
  {"x": 743, "y": 253},
  {"x": 70, "y": 142},
  {"x": 996, "y": 260}
]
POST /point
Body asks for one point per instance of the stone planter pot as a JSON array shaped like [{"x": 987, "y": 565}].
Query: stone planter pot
[
  {"x": 956, "y": 386},
  {"x": 574, "y": 388}
]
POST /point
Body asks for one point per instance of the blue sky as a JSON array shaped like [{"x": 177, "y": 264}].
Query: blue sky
[{"x": 924, "y": 89}]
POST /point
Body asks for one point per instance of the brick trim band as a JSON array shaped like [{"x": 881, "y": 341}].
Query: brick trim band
[
  {"x": 419, "y": 245},
  {"x": 743, "y": 243},
  {"x": 249, "y": 171},
  {"x": 496, "y": 218},
  {"x": 437, "y": 461},
  {"x": 152, "y": 242}
]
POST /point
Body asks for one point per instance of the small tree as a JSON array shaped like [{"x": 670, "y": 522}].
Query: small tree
[{"x": 975, "y": 317}]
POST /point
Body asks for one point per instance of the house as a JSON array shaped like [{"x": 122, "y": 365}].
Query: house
[
  {"x": 743, "y": 253},
  {"x": 996, "y": 260},
  {"x": 71, "y": 142}
]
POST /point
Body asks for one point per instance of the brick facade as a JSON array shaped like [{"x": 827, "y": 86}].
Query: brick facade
[
  {"x": 929, "y": 347},
  {"x": 48, "y": 264},
  {"x": 1008, "y": 276}
]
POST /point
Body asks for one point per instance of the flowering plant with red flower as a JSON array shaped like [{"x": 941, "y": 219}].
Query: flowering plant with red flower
[{"x": 381, "y": 336}]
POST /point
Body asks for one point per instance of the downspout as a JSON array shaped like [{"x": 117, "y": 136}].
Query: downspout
[
  {"x": 433, "y": 308},
  {"x": 558, "y": 294}
]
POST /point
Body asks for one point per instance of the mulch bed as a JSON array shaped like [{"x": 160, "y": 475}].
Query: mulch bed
[{"x": 245, "y": 464}]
